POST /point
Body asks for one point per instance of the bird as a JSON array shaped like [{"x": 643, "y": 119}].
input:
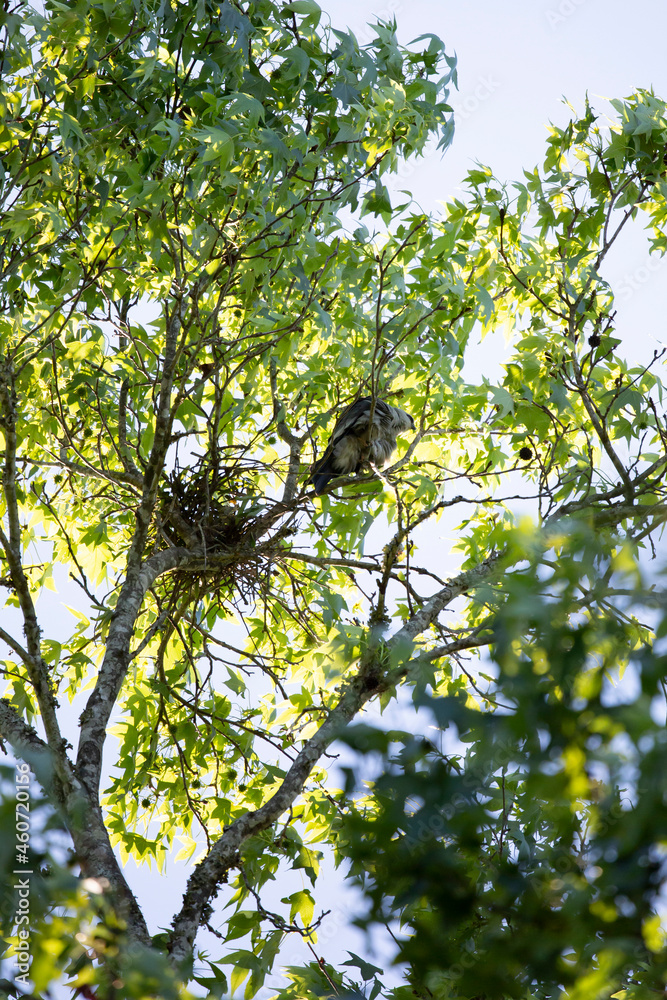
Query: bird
[{"x": 350, "y": 444}]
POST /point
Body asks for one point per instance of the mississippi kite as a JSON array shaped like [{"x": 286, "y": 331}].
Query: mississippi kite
[{"x": 350, "y": 443}]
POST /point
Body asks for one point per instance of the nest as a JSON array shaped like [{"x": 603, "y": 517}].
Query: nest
[{"x": 202, "y": 503}]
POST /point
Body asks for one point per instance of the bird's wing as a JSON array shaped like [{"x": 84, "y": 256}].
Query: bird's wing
[
  {"x": 345, "y": 451},
  {"x": 353, "y": 420}
]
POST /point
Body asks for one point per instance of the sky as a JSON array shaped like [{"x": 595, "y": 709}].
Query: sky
[{"x": 516, "y": 62}]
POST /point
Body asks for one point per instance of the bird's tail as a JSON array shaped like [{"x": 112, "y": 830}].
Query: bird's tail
[{"x": 322, "y": 473}]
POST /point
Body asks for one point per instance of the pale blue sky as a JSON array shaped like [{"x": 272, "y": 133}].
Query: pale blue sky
[{"x": 516, "y": 61}]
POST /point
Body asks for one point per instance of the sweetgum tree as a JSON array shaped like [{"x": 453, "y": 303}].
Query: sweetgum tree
[{"x": 200, "y": 266}]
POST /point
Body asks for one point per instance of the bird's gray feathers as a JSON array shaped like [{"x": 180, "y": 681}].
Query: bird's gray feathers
[{"x": 351, "y": 443}]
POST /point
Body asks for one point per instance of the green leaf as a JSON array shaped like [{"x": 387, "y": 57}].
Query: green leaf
[
  {"x": 302, "y": 905},
  {"x": 502, "y": 399}
]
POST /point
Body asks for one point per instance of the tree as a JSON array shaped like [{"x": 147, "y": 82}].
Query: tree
[
  {"x": 184, "y": 314},
  {"x": 173, "y": 263}
]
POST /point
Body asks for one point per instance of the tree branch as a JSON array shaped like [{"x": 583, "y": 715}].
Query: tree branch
[
  {"x": 82, "y": 817},
  {"x": 95, "y": 716},
  {"x": 138, "y": 577},
  {"x": 366, "y": 683},
  {"x": 12, "y": 545}
]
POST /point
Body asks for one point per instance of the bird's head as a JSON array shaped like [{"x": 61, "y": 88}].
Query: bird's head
[{"x": 403, "y": 421}]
